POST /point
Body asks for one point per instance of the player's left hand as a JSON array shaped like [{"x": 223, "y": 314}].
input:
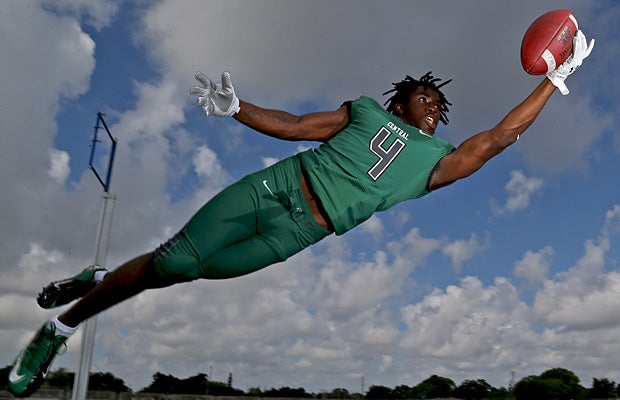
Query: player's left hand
[
  {"x": 219, "y": 100},
  {"x": 581, "y": 50}
]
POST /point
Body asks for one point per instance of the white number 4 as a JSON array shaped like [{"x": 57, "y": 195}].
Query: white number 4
[{"x": 386, "y": 156}]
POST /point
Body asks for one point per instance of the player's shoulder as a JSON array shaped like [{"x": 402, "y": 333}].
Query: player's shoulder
[
  {"x": 366, "y": 104},
  {"x": 367, "y": 100}
]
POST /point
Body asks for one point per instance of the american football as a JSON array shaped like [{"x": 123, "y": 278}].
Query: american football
[{"x": 548, "y": 42}]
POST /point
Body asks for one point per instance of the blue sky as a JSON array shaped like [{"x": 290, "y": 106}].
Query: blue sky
[{"x": 513, "y": 269}]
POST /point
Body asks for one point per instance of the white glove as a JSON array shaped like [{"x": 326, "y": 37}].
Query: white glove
[
  {"x": 580, "y": 51},
  {"x": 219, "y": 100}
]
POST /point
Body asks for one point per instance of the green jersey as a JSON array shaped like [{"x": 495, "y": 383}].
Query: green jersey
[{"x": 375, "y": 162}]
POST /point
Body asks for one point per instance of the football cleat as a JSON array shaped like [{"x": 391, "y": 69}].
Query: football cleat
[
  {"x": 61, "y": 292},
  {"x": 33, "y": 363}
]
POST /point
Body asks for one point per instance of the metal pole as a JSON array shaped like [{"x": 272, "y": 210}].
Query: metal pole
[{"x": 80, "y": 383}]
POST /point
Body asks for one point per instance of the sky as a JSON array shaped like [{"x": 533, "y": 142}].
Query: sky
[{"x": 512, "y": 271}]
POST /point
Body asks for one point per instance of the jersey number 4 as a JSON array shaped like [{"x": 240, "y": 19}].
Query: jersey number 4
[{"x": 386, "y": 156}]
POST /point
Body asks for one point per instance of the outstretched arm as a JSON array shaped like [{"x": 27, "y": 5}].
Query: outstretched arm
[
  {"x": 318, "y": 126},
  {"x": 221, "y": 100},
  {"x": 474, "y": 152}
]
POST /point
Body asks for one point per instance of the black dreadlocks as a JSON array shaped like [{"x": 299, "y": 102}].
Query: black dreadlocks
[{"x": 404, "y": 88}]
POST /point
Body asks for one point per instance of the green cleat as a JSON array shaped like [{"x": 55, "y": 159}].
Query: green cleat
[
  {"x": 33, "y": 363},
  {"x": 61, "y": 292}
]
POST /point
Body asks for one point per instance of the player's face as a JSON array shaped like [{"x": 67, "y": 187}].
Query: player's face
[{"x": 423, "y": 110}]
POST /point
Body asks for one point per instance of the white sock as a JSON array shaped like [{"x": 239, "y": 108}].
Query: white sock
[
  {"x": 62, "y": 329},
  {"x": 99, "y": 275}
]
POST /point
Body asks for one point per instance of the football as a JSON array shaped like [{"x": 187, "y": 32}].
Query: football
[{"x": 548, "y": 42}]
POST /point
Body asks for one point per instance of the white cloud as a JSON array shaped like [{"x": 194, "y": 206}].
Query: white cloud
[
  {"x": 206, "y": 163},
  {"x": 570, "y": 304},
  {"x": 99, "y": 14},
  {"x": 461, "y": 323},
  {"x": 534, "y": 266},
  {"x": 357, "y": 287},
  {"x": 585, "y": 296},
  {"x": 411, "y": 250},
  {"x": 386, "y": 363},
  {"x": 373, "y": 226},
  {"x": 519, "y": 191},
  {"x": 269, "y": 161},
  {"x": 59, "y": 165},
  {"x": 612, "y": 221},
  {"x": 460, "y": 251}
]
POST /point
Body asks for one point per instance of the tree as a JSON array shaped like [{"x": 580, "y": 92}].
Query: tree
[
  {"x": 162, "y": 383},
  {"x": 339, "y": 393},
  {"x": 169, "y": 384},
  {"x": 222, "y": 389},
  {"x": 379, "y": 392},
  {"x": 567, "y": 377},
  {"x": 532, "y": 388},
  {"x": 255, "y": 392},
  {"x": 196, "y": 384},
  {"x": 299, "y": 393},
  {"x": 61, "y": 378},
  {"x": 556, "y": 384},
  {"x": 105, "y": 381},
  {"x": 402, "y": 392},
  {"x": 434, "y": 387},
  {"x": 602, "y": 389},
  {"x": 565, "y": 383},
  {"x": 500, "y": 393},
  {"x": 101, "y": 381},
  {"x": 473, "y": 390}
]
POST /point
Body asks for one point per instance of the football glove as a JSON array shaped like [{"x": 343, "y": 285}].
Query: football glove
[
  {"x": 219, "y": 100},
  {"x": 581, "y": 50}
]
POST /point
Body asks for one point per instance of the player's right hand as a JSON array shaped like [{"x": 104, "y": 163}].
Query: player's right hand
[
  {"x": 581, "y": 50},
  {"x": 214, "y": 99}
]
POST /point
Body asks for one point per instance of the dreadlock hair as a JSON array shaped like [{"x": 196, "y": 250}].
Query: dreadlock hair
[{"x": 403, "y": 89}]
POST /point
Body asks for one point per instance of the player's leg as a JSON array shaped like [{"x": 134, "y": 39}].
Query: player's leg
[
  {"x": 131, "y": 278},
  {"x": 250, "y": 225},
  {"x": 283, "y": 221},
  {"x": 32, "y": 364},
  {"x": 59, "y": 293},
  {"x": 229, "y": 219},
  {"x": 120, "y": 284},
  {"x": 226, "y": 219}
]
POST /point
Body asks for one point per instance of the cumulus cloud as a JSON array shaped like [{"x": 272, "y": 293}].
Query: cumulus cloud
[
  {"x": 269, "y": 161},
  {"x": 461, "y": 322},
  {"x": 584, "y": 296},
  {"x": 612, "y": 221},
  {"x": 519, "y": 191},
  {"x": 59, "y": 165},
  {"x": 373, "y": 226},
  {"x": 534, "y": 266},
  {"x": 206, "y": 163},
  {"x": 460, "y": 251},
  {"x": 99, "y": 14}
]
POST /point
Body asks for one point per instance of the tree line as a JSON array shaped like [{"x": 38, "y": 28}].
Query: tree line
[{"x": 553, "y": 384}]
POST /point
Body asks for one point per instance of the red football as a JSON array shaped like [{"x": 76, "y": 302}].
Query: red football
[{"x": 548, "y": 42}]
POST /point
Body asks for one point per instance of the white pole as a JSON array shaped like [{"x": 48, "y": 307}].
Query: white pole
[{"x": 80, "y": 383}]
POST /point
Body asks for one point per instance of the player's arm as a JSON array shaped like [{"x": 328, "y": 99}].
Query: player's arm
[
  {"x": 474, "y": 152},
  {"x": 221, "y": 100},
  {"x": 319, "y": 126}
]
